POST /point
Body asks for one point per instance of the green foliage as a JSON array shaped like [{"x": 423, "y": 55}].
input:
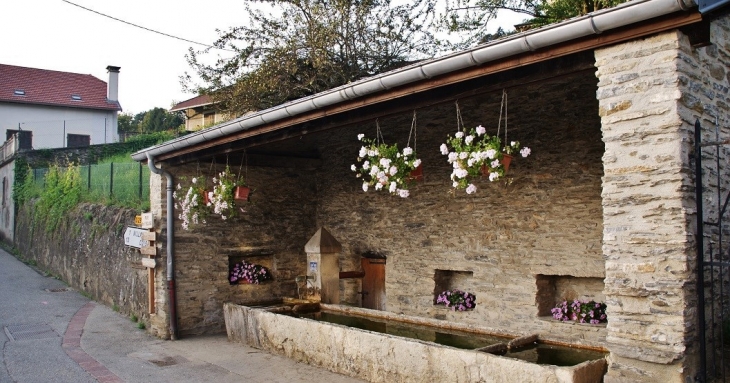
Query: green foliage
[
  {"x": 115, "y": 307},
  {"x": 134, "y": 318},
  {"x": 307, "y": 46},
  {"x": 141, "y": 326},
  {"x": 150, "y": 121},
  {"x": 62, "y": 192}
]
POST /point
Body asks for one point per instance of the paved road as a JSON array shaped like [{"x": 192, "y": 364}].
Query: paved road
[{"x": 50, "y": 333}]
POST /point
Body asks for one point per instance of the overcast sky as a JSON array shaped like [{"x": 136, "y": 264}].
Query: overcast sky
[{"x": 52, "y": 34}]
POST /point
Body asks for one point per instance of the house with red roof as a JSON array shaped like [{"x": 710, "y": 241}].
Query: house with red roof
[
  {"x": 200, "y": 112},
  {"x": 57, "y": 109}
]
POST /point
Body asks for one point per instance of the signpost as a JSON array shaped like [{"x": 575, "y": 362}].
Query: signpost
[{"x": 144, "y": 240}]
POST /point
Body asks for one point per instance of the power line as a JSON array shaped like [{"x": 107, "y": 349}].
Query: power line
[{"x": 145, "y": 28}]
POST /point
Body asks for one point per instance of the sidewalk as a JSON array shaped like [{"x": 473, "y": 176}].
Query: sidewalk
[{"x": 71, "y": 339}]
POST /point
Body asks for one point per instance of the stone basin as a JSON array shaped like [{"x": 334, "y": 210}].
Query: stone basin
[{"x": 380, "y": 357}]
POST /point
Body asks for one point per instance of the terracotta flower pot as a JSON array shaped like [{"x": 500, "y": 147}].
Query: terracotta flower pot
[
  {"x": 241, "y": 193},
  {"x": 506, "y": 160},
  {"x": 416, "y": 174},
  {"x": 206, "y": 197}
]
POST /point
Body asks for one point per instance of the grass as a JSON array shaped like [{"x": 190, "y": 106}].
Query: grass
[
  {"x": 141, "y": 326},
  {"x": 115, "y": 308},
  {"x": 134, "y": 318}
]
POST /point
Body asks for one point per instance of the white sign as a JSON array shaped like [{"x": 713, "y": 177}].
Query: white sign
[
  {"x": 148, "y": 220},
  {"x": 133, "y": 237},
  {"x": 148, "y": 263}
]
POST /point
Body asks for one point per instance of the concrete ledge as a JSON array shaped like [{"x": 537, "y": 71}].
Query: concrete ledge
[{"x": 378, "y": 357}]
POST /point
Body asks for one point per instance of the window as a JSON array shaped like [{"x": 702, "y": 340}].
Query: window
[
  {"x": 77, "y": 140},
  {"x": 76, "y": 97},
  {"x": 19, "y": 92}
]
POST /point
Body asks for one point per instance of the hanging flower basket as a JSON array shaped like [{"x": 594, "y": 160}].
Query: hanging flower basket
[
  {"x": 416, "y": 174},
  {"x": 241, "y": 193},
  {"x": 384, "y": 167},
  {"x": 192, "y": 203},
  {"x": 224, "y": 195}
]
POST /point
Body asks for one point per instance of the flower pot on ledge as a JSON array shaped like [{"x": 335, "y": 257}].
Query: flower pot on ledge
[
  {"x": 206, "y": 197},
  {"x": 241, "y": 193}
]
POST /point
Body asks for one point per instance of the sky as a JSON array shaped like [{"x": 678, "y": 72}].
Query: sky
[{"x": 56, "y": 35}]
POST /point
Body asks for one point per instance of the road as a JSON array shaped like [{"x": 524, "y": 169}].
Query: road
[{"x": 51, "y": 333}]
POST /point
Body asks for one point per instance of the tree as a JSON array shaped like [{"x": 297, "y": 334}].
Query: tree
[
  {"x": 307, "y": 46},
  {"x": 159, "y": 119},
  {"x": 471, "y": 17},
  {"x": 153, "y": 120}
]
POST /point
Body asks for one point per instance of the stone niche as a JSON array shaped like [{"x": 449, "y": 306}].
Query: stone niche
[
  {"x": 553, "y": 289},
  {"x": 451, "y": 279},
  {"x": 259, "y": 257}
]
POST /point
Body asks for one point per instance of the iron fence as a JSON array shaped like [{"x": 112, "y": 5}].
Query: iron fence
[{"x": 127, "y": 182}]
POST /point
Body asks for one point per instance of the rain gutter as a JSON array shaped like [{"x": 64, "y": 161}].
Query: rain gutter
[
  {"x": 591, "y": 24},
  {"x": 172, "y": 303}
]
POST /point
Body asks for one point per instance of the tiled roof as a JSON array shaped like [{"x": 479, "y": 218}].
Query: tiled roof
[
  {"x": 48, "y": 87},
  {"x": 201, "y": 100}
]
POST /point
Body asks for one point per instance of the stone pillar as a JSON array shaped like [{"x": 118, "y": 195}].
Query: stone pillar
[
  {"x": 323, "y": 266},
  {"x": 159, "y": 321},
  {"x": 648, "y": 207}
]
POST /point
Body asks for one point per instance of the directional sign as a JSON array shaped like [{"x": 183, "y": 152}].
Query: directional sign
[
  {"x": 133, "y": 237},
  {"x": 148, "y": 263}
]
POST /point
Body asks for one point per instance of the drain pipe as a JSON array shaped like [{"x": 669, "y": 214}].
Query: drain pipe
[{"x": 170, "y": 253}]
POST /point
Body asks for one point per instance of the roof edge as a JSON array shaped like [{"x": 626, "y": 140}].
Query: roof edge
[{"x": 590, "y": 24}]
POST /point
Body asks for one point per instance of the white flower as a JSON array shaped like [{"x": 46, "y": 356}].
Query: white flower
[
  {"x": 373, "y": 153},
  {"x": 464, "y": 155},
  {"x": 453, "y": 157},
  {"x": 223, "y": 217},
  {"x": 179, "y": 187},
  {"x": 495, "y": 163},
  {"x": 513, "y": 143},
  {"x": 471, "y": 189},
  {"x": 493, "y": 176},
  {"x": 407, "y": 151},
  {"x": 525, "y": 151},
  {"x": 469, "y": 139},
  {"x": 393, "y": 170},
  {"x": 363, "y": 152},
  {"x": 481, "y": 130},
  {"x": 360, "y": 137},
  {"x": 444, "y": 149},
  {"x": 459, "y": 134},
  {"x": 374, "y": 170},
  {"x": 195, "y": 180},
  {"x": 491, "y": 153},
  {"x": 378, "y": 186},
  {"x": 417, "y": 163},
  {"x": 460, "y": 173},
  {"x": 382, "y": 175},
  {"x": 366, "y": 165},
  {"x": 364, "y": 186},
  {"x": 403, "y": 193},
  {"x": 385, "y": 162},
  {"x": 455, "y": 184},
  {"x": 354, "y": 168},
  {"x": 470, "y": 162},
  {"x": 393, "y": 186}
]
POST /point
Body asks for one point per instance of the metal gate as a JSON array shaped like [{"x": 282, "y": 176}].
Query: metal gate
[{"x": 713, "y": 257}]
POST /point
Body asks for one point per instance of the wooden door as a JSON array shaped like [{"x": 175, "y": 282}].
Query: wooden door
[{"x": 373, "y": 283}]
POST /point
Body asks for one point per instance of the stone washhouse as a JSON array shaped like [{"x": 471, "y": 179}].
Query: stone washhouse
[{"x": 603, "y": 209}]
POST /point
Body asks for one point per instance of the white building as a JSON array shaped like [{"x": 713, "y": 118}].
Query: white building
[{"x": 59, "y": 109}]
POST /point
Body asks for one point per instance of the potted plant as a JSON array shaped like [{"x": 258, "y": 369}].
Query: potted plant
[
  {"x": 384, "y": 167},
  {"x": 456, "y": 299},
  {"x": 580, "y": 311},
  {"x": 468, "y": 152},
  {"x": 227, "y": 188},
  {"x": 245, "y": 272},
  {"x": 508, "y": 152},
  {"x": 192, "y": 203}
]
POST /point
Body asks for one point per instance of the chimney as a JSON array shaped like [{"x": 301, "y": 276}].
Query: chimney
[{"x": 112, "y": 87}]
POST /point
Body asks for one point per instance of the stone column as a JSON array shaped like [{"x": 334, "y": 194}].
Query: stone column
[
  {"x": 159, "y": 321},
  {"x": 648, "y": 211},
  {"x": 323, "y": 266}
]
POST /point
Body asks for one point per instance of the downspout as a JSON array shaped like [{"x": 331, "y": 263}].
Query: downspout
[{"x": 170, "y": 250}]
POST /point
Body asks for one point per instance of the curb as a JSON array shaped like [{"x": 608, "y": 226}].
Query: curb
[{"x": 72, "y": 346}]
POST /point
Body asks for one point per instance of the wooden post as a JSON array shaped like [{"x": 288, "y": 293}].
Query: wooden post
[{"x": 151, "y": 290}]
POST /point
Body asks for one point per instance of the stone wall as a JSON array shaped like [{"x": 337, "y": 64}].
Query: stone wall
[
  {"x": 271, "y": 231},
  {"x": 87, "y": 251},
  {"x": 7, "y": 204},
  {"x": 544, "y": 219},
  {"x": 650, "y": 93}
]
